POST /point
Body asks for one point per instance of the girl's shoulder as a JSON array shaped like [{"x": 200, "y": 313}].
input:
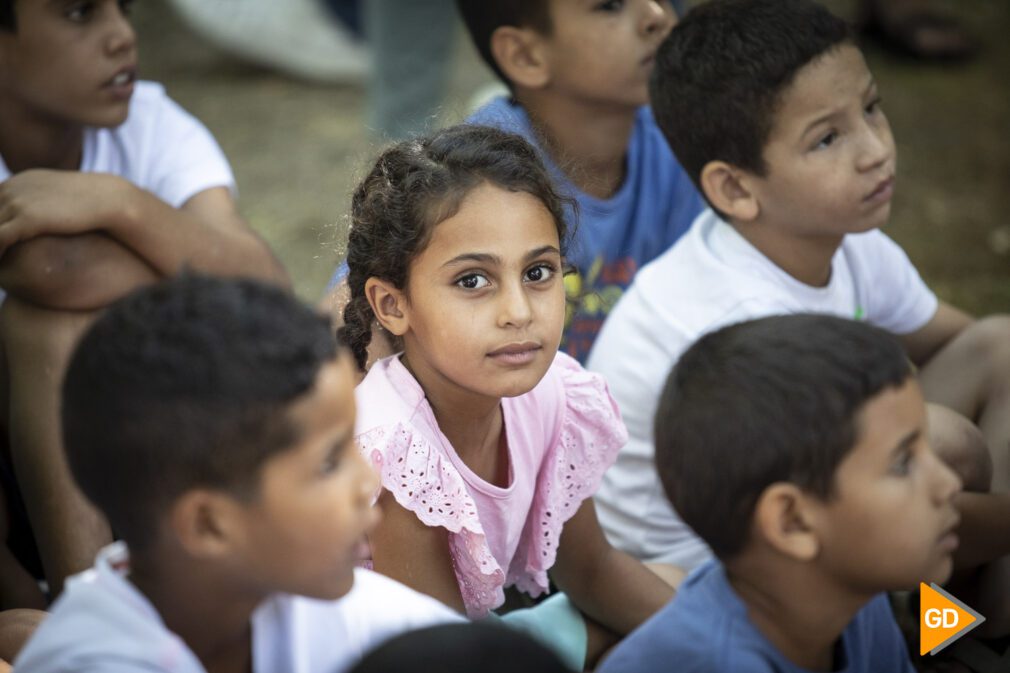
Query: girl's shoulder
[
  {"x": 388, "y": 395},
  {"x": 568, "y": 394}
]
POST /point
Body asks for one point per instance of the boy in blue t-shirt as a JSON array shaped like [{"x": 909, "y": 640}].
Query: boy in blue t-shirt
[
  {"x": 578, "y": 73},
  {"x": 821, "y": 494}
]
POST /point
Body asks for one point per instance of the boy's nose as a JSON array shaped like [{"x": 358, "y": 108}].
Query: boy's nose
[
  {"x": 877, "y": 147},
  {"x": 947, "y": 483},
  {"x": 121, "y": 36},
  {"x": 659, "y": 17}
]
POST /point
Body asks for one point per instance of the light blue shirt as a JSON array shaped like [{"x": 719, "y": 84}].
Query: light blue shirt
[{"x": 103, "y": 624}]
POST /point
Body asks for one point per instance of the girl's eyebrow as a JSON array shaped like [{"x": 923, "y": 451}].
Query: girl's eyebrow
[
  {"x": 542, "y": 250},
  {"x": 482, "y": 257},
  {"x": 488, "y": 258}
]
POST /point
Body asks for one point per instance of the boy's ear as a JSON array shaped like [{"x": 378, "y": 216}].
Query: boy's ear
[
  {"x": 389, "y": 304},
  {"x": 782, "y": 519},
  {"x": 729, "y": 189},
  {"x": 206, "y": 523},
  {"x": 519, "y": 54}
]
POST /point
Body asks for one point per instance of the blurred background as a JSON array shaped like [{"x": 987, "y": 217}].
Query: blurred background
[{"x": 298, "y": 148}]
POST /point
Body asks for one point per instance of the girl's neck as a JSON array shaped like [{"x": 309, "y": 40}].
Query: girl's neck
[
  {"x": 26, "y": 142},
  {"x": 589, "y": 144},
  {"x": 472, "y": 423}
]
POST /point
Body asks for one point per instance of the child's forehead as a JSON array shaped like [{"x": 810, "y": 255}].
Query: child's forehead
[
  {"x": 888, "y": 422},
  {"x": 827, "y": 83}
]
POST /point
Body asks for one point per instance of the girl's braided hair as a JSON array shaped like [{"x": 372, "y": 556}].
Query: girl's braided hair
[{"x": 418, "y": 183}]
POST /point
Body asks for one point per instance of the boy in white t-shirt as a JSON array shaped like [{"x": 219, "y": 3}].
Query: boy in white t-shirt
[
  {"x": 771, "y": 109},
  {"x": 212, "y": 422},
  {"x": 105, "y": 185}
]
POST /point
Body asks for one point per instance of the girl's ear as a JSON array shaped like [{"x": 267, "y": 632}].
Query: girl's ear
[
  {"x": 519, "y": 54},
  {"x": 783, "y": 520},
  {"x": 389, "y": 305},
  {"x": 730, "y": 191}
]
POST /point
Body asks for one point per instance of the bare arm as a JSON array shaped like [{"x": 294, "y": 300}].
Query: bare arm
[
  {"x": 945, "y": 324},
  {"x": 414, "y": 554},
  {"x": 205, "y": 234},
  {"x": 74, "y": 273},
  {"x": 610, "y": 586}
]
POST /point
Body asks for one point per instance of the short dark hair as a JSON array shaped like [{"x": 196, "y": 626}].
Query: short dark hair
[
  {"x": 460, "y": 648},
  {"x": 484, "y": 17},
  {"x": 418, "y": 183},
  {"x": 8, "y": 20},
  {"x": 766, "y": 401},
  {"x": 720, "y": 75},
  {"x": 186, "y": 384}
]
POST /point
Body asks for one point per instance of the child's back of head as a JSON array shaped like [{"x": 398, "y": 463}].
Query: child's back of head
[
  {"x": 720, "y": 75},
  {"x": 457, "y": 648},
  {"x": 821, "y": 413},
  {"x": 795, "y": 447},
  {"x": 766, "y": 401},
  {"x": 184, "y": 385}
]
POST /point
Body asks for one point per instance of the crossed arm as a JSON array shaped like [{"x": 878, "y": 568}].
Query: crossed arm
[{"x": 77, "y": 241}]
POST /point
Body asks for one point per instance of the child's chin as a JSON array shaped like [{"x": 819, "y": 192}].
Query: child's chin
[{"x": 336, "y": 589}]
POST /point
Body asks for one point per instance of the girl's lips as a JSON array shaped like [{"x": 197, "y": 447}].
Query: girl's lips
[{"x": 516, "y": 354}]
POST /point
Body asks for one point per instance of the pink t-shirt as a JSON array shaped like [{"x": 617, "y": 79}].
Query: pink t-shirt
[{"x": 562, "y": 436}]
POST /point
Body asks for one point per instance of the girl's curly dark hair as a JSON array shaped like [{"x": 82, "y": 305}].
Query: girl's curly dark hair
[{"x": 418, "y": 183}]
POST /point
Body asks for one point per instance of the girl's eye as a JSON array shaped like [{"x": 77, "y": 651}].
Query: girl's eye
[
  {"x": 473, "y": 281},
  {"x": 826, "y": 141},
  {"x": 539, "y": 273}
]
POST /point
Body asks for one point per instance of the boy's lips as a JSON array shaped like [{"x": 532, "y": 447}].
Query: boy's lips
[
  {"x": 949, "y": 540},
  {"x": 882, "y": 192},
  {"x": 121, "y": 84}
]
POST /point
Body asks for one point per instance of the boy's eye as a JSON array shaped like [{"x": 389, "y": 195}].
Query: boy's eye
[
  {"x": 538, "y": 273},
  {"x": 125, "y": 6},
  {"x": 873, "y": 107},
  {"x": 331, "y": 463},
  {"x": 80, "y": 12},
  {"x": 609, "y": 6},
  {"x": 473, "y": 281},
  {"x": 826, "y": 140},
  {"x": 903, "y": 465}
]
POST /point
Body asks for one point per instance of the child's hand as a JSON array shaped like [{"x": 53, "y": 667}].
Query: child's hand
[{"x": 61, "y": 203}]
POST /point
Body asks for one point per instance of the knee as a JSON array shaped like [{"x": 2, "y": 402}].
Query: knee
[
  {"x": 989, "y": 342},
  {"x": 961, "y": 445},
  {"x": 16, "y": 627}
]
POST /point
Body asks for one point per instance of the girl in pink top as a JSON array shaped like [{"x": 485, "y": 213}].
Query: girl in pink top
[{"x": 488, "y": 441}]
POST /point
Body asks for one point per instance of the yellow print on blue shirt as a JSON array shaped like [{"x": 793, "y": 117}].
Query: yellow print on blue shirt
[{"x": 591, "y": 297}]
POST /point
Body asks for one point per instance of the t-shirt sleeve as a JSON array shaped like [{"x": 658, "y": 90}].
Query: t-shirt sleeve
[
  {"x": 184, "y": 159},
  {"x": 895, "y": 297}
]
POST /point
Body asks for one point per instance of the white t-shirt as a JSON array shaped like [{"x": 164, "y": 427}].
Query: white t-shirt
[
  {"x": 103, "y": 624},
  {"x": 710, "y": 278},
  {"x": 160, "y": 147}
]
